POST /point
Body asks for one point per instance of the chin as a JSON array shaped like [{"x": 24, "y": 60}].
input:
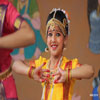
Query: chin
[{"x": 55, "y": 54}]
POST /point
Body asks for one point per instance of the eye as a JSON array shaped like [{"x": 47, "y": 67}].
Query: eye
[
  {"x": 58, "y": 34},
  {"x": 50, "y": 34}
]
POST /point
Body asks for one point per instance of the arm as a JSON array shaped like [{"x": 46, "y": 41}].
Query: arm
[
  {"x": 21, "y": 68},
  {"x": 83, "y": 72},
  {"x": 22, "y": 37}
]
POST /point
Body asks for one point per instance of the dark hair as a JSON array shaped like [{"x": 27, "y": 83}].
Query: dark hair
[{"x": 60, "y": 16}]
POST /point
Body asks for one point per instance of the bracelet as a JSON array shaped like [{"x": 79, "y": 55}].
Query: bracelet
[
  {"x": 68, "y": 74},
  {"x": 30, "y": 72}
]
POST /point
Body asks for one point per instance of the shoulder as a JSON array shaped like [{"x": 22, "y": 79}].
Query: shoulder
[
  {"x": 74, "y": 60},
  {"x": 38, "y": 61},
  {"x": 4, "y": 2},
  {"x": 69, "y": 63},
  {"x": 41, "y": 59}
]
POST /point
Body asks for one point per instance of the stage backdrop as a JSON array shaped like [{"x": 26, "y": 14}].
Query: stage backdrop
[{"x": 77, "y": 47}]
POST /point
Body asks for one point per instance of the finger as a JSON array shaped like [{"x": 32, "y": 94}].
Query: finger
[
  {"x": 40, "y": 67},
  {"x": 45, "y": 75},
  {"x": 43, "y": 80},
  {"x": 45, "y": 70},
  {"x": 60, "y": 80},
  {"x": 57, "y": 73},
  {"x": 56, "y": 78},
  {"x": 60, "y": 70}
]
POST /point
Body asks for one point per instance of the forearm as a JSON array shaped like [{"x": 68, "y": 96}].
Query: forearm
[
  {"x": 83, "y": 72},
  {"x": 23, "y": 37},
  {"x": 20, "y": 68}
]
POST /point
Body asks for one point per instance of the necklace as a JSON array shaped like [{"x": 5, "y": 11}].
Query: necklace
[
  {"x": 51, "y": 79},
  {"x": 54, "y": 70}
]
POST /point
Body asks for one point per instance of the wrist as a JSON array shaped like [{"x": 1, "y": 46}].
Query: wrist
[{"x": 30, "y": 72}]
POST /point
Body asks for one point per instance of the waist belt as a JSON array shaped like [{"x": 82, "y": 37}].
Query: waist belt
[{"x": 5, "y": 74}]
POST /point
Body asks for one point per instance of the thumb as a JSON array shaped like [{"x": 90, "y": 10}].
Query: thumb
[
  {"x": 60, "y": 70},
  {"x": 40, "y": 67}
]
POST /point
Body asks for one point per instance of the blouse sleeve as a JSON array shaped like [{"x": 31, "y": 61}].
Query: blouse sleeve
[
  {"x": 13, "y": 18},
  {"x": 38, "y": 62},
  {"x": 75, "y": 63}
]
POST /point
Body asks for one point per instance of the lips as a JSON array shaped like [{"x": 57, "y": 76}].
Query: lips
[{"x": 54, "y": 46}]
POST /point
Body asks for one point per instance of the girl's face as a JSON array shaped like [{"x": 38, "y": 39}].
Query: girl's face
[{"x": 55, "y": 41}]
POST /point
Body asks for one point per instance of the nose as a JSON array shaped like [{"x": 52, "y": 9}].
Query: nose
[{"x": 53, "y": 38}]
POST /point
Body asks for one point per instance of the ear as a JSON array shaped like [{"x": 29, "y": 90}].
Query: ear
[{"x": 65, "y": 40}]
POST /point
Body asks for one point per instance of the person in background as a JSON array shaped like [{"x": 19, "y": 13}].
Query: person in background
[{"x": 14, "y": 33}]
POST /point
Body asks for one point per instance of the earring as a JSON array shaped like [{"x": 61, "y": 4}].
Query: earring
[
  {"x": 46, "y": 49},
  {"x": 64, "y": 48}
]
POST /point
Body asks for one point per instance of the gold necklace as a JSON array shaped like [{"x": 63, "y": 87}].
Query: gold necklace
[
  {"x": 54, "y": 70},
  {"x": 51, "y": 79}
]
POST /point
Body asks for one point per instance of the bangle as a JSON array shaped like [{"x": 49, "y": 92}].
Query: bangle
[
  {"x": 30, "y": 72},
  {"x": 68, "y": 74}
]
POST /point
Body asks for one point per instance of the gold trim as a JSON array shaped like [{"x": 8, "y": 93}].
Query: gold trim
[
  {"x": 2, "y": 13},
  {"x": 5, "y": 74},
  {"x": 2, "y": 17},
  {"x": 52, "y": 22},
  {"x": 67, "y": 74},
  {"x": 17, "y": 23}
]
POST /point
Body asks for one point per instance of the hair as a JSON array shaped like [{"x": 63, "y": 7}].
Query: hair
[{"x": 59, "y": 15}]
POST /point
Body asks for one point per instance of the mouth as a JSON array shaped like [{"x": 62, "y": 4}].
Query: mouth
[{"x": 54, "y": 46}]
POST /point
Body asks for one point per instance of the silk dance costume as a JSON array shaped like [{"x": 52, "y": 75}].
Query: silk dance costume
[
  {"x": 59, "y": 91},
  {"x": 10, "y": 21}
]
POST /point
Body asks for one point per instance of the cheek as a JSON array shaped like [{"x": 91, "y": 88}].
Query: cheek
[
  {"x": 48, "y": 41},
  {"x": 61, "y": 41}
]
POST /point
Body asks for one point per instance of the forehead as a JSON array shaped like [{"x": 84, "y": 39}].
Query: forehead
[{"x": 54, "y": 27}]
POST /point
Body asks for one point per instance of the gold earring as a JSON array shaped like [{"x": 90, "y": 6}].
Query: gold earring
[
  {"x": 64, "y": 48},
  {"x": 46, "y": 49}
]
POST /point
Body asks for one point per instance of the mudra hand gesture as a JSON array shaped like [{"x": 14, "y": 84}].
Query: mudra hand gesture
[
  {"x": 39, "y": 74},
  {"x": 60, "y": 76}
]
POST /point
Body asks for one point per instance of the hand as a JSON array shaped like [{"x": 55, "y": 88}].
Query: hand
[
  {"x": 60, "y": 76},
  {"x": 76, "y": 97},
  {"x": 39, "y": 73}
]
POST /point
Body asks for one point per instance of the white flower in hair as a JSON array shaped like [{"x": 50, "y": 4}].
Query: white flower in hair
[
  {"x": 58, "y": 9},
  {"x": 54, "y": 9}
]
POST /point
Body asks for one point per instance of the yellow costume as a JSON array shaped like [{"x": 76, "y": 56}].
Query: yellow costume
[{"x": 59, "y": 91}]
